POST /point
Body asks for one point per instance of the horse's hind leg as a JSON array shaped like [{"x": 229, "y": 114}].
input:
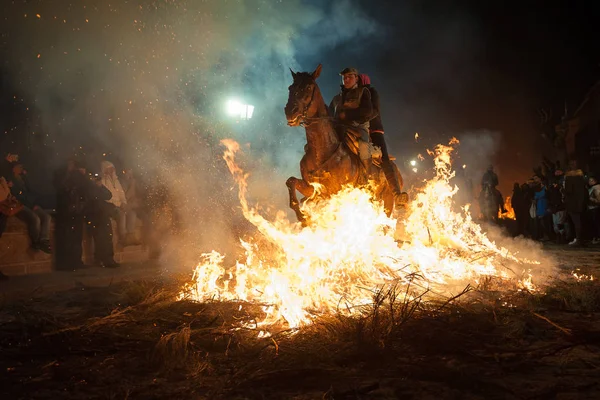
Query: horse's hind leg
[{"x": 300, "y": 185}]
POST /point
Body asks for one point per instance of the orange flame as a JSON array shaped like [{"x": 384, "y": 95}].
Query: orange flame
[
  {"x": 510, "y": 214},
  {"x": 350, "y": 250}
]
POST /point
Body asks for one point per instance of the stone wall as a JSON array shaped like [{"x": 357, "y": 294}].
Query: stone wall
[{"x": 18, "y": 258}]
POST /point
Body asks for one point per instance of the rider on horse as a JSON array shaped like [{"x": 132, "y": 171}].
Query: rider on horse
[
  {"x": 377, "y": 138},
  {"x": 491, "y": 179},
  {"x": 352, "y": 109}
]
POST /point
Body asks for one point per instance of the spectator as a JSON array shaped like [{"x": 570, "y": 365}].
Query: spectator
[
  {"x": 559, "y": 215},
  {"x": 519, "y": 205},
  {"x": 594, "y": 208},
  {"x": 4, "y": 197},
  {"x": 576, "y": 196},
  {"x": 97, "y": 216},
  {"x": 72, "y": 185},
  {"x": 110, "y": 180},
  {"x": 38, "y": 221},
  {"x": 541, "y": 207}
]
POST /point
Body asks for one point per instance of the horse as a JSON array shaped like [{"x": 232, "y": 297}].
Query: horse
[
  {"x": 488, "y": 204},
  {"x": 327, "y": 159}
]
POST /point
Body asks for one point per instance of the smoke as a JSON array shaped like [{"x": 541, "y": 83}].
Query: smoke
[
  {"x": 477, "y": 150},
  {"x": 145, "y": 83}
]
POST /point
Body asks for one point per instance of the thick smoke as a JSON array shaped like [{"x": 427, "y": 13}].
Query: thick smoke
[{"x": 146, "y": 82}]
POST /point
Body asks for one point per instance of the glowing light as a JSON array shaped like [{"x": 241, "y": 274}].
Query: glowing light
[
  {"x": 464, "y": 166},
  {"x": 415, "y": 170},
  {"x": 237, "y": 109},
  {"x": 413, "y": 162}
]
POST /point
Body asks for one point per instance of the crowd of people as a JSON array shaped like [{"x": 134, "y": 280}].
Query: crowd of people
[
  {"x": 84, "y": 200},
  {"x": 559, "y": 205}
]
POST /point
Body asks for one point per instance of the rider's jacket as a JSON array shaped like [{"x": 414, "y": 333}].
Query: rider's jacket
[
  {"x": 356, "y": 104},
  {"x": 375, "y": 124}
]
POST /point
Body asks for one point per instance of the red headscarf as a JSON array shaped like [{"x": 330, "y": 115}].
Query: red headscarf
[{"x": 364, "y": 78}]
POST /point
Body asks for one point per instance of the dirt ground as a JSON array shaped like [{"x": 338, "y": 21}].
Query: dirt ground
[{"x": 133, "y": 340}]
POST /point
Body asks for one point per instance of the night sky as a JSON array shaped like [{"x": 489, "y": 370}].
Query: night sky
[{"x": 145, "y": 81}]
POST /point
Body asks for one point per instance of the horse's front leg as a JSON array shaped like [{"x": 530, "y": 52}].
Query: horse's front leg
[{"x": 303, "y": 187}]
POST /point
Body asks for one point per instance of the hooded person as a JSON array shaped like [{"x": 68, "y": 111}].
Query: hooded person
[
  {"x": 376, "y": 134},
  {"x": 110, "y": 180},
  {"x": 352, "y": 110}
]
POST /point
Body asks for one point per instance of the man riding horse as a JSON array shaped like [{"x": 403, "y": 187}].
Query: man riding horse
[
  {"x": 490, "y": 179},
  {"x": 329, "y": 160},
  {"x": 352, "y": 110}
]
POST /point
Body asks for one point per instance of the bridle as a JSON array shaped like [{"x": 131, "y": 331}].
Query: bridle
[{"x": 306, "y": 120}]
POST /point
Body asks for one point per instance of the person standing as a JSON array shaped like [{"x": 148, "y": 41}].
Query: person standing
[
  {"x": 71, "y": 185},
  {"x": 576, "y": 196},
  {"x": 118, "y": 200},
  {"x": 97, "y": 217}
]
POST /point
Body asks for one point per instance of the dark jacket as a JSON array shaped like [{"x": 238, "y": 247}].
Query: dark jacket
[
  {"x": 576, "y": 195},
  {"x": 555, "y": 202},
  {"x": 71, "y": 192},
  {"x": 375, "y": 124},
  {"x": 20, "y": 189},
  {"x": 355, "y": 103},
  {"x": 96, "y": 197}
]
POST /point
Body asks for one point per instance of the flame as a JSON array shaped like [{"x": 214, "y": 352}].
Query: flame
[
  {"x": 579, "y": 276},
  {"x": 416, "y": 136},
  {"x": 510, "y": 214},
  {"x": 350, "y": 250}
]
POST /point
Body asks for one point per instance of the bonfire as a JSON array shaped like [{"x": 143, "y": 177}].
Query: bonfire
[{"x": 352, "y": 249}]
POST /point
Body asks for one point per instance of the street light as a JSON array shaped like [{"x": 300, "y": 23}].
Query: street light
[
  {"x": 236, "y": 108},
  {"x": 413, "y": 162}
]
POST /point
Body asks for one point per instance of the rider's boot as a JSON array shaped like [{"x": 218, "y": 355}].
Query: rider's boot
[
  {"x": 500, "y": 201},
  {"x": 367, "y": 165},
  {"x": 364, "y": 153},
  {"x": 400, "y": 198}
]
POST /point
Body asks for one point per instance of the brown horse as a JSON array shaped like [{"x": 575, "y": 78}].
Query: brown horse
[{"x": 327, "y": 160}]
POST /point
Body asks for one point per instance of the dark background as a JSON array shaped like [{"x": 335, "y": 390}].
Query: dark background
[{"x": 477, "y": 70}]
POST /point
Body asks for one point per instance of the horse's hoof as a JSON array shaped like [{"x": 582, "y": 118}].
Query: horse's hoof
[{"x": 402, "y": 198}]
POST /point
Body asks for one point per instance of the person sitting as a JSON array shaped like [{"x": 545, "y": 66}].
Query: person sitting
[
  {"x": 37, "y": 220},
  {"x": 491, "y": 179},
  {"x": 376, "y": 134},
  {"x": 352, "y": 109}
]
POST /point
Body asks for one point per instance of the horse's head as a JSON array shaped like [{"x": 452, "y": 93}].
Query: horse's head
[{"x": 301, "y": 94}]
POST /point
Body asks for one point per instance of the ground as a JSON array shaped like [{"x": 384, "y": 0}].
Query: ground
[{"x": 130, "y": 338}]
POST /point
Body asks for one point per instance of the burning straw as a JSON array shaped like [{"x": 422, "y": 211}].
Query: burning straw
[{"x": 349, "y": 252}]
